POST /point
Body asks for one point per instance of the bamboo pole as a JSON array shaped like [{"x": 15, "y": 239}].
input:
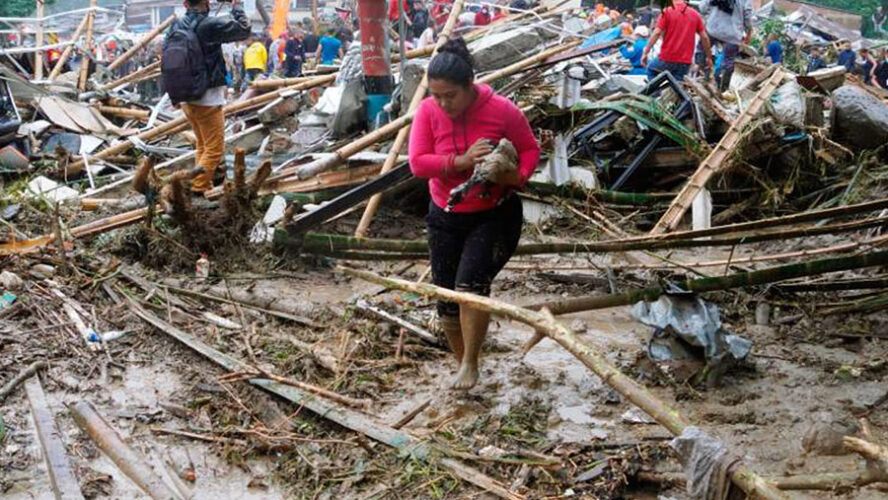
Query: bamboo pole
[
  {"x": 87, "y": 46},
  {"x": 737, "y": 280},
  {"x": 543, "y": 322},
  {"x": 332, "y": 243},
  {"x": 749, "y": 259},
  {"x": 404, "y": 133},
  {"x": 128, "y": 460},
  {"x": 151, "y": 35},
  {"x": 135, "y": 75},
  {"x": 57, "y": 70},
  {"x": 274, "y": 83},
  {"x": 181, "y": 123},
  {"x": 718, "y": 159},
  {"x": 38, "y": 56},
  {"x": 140, "y": 114}
]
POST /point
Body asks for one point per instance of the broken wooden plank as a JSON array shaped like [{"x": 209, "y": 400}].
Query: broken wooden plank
[
  {"x": 719, "y": 159},
  {"x": 61, "y": 476},
  {"x": 545, "y": 323},
  {"x": 128, "y": 460},
  {"x": 346, "y": 200}
]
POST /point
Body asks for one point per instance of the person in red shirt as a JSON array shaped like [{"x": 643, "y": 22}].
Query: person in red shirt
[
  {"x": 482, "y": 17},
  {"x": 393, "y": 11},
  {"x": 677, "y": 26}
]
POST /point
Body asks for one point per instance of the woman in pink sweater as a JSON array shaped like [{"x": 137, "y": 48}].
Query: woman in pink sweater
[{"x": 453, "y": 130}]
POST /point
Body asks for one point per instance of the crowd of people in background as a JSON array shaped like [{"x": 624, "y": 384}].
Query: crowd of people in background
[{"x": 706, "y": 40}]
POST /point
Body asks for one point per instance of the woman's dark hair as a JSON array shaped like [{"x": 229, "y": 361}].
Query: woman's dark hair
[{"x": 453, "y": 63}]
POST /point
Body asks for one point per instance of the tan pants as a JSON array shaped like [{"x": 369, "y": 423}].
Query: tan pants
[{"x": 208, "y": 123}]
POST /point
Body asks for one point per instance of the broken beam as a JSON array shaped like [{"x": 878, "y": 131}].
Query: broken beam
[
  {"x": 61, "y": 477},
  {"x": 69, "y": 49}
]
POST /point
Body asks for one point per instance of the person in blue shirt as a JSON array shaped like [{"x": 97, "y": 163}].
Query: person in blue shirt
[
  {"x": 636, "y": 51},
  {"x": 329, "y": 48},
  {"x": 847, "y": 57},
  {"x": 815, "y": 61},
  {"x": 775, "y": 48}
]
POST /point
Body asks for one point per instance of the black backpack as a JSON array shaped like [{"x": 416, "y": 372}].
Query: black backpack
[
  {"x": 726, "y": 6},
  {"x": 183, "y": 68}
]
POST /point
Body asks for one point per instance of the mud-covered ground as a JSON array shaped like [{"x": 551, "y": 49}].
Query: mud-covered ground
[{"x": 542, "y": 423}]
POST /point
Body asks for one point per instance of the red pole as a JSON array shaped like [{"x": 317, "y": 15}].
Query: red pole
[{"x": 375, "y": 58}]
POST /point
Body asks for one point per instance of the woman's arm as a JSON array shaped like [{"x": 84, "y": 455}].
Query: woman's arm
[
  {"x": 423, "y": 160},
  {"x": 518, "y": 131}
]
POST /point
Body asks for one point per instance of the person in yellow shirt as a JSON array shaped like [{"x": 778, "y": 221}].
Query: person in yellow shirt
[{"x": 255, "y": 58}]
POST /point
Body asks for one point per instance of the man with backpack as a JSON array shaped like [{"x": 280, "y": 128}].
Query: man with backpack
[
  {"x": 193, "y": 73},
  {"x": 728, "y": 23}
]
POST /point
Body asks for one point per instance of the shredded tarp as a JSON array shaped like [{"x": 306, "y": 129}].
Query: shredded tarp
[
  {"x": 695, "y": 322},
  {"x": 707, "y": 464}
]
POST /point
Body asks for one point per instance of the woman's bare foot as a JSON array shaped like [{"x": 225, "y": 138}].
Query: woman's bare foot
[{"x": 466, "y": 377}]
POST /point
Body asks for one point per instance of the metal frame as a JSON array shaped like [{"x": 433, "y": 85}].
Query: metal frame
[{"x": 653, "y": 137}]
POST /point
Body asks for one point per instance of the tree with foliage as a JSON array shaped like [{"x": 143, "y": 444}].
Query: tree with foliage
[{"x": 19, "y": 8}]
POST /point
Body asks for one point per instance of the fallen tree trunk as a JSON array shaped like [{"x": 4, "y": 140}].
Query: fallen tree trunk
[{"x": 545, "y": 323}]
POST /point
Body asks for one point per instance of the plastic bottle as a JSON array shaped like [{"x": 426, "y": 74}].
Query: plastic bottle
[
  {"x": 107, "y": 336},
  {"x": 202, "y": 267}
]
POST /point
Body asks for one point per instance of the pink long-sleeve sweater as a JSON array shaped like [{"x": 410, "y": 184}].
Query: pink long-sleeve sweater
[{"x": 436, "y": 140}]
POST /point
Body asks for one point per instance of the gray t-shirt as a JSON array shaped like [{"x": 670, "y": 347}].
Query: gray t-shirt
[{"x": 212, "y": 97}]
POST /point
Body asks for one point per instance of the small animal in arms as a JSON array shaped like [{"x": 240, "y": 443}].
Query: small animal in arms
[{"x": 503, "y": 159}]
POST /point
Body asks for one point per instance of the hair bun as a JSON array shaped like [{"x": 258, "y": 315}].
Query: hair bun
[{"x": 457, "y": 47}]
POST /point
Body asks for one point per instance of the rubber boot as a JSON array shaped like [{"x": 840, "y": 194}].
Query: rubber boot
[
  {"x": 452, "y": 329},
  {"x": 474, "y": 328}
]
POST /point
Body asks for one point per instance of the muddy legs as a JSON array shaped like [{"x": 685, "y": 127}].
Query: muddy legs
[
  {"x": 453, "y": 331},
  {"x": 474, "y": 325}
]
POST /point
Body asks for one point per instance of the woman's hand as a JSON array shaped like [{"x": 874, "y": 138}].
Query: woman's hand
[{"x": 476, "y": 153}]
